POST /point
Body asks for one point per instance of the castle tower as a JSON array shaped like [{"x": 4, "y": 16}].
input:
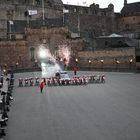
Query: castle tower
[{"x": 125, "y": 2}]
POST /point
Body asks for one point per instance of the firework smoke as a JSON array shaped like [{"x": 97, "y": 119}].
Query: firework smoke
[{"x": 49, "y": 70}]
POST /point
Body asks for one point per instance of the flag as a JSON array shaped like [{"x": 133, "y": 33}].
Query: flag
[
  {"x": 32, "y": 12},
  {"x": 65, "y": 11},
  {"x": 11, "y": 22}
]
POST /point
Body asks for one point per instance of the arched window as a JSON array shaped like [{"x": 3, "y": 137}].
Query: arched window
[
  {"x": 49, "y": 4},
  {"x": 86, "y": 11},
  {"x": 38, "y": 2},
  {"x": 32, "y": 50}
]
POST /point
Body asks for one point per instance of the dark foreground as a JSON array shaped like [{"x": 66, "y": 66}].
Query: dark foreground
[{"x": 109, "y": 111}]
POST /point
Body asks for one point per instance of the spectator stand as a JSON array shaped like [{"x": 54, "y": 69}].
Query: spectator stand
[{"x": 5, "y": 98}]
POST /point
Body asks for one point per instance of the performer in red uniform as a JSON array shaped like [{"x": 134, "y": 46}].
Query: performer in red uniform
[
  {"x": 75, "y": 70},
  {"x": 41, "y": 86}
]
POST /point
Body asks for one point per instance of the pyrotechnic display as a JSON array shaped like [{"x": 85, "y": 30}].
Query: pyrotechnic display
[
  {"x": 51, "y": 63},
  {"x": 64, "y": 52}
]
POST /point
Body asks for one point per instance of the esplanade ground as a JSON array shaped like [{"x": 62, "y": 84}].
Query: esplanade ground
[{"x": 108, "y": 111}]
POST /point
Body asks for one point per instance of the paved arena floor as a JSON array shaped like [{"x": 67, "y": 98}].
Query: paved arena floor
[{"x": 109, "y": 111}]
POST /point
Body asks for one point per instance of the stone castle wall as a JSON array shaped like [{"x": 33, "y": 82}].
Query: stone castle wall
[
  {"x": 92, "y": 19},
  {"x": 109, "y": 57},
  {"x": 13, "y": 52},
  {"x": 129, "y": 24},
  {"x": 17, "y": 10},
  {"x": 92, "y": 24},
  {"x": 20, "y": 51}
]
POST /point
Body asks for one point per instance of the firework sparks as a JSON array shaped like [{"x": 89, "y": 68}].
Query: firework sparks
[{"x": 64, "y": 53}]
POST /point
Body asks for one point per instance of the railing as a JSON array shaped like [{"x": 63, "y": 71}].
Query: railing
[
  {"x": 107, "y": 68},
  {"x": 21, "y": 70}
]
